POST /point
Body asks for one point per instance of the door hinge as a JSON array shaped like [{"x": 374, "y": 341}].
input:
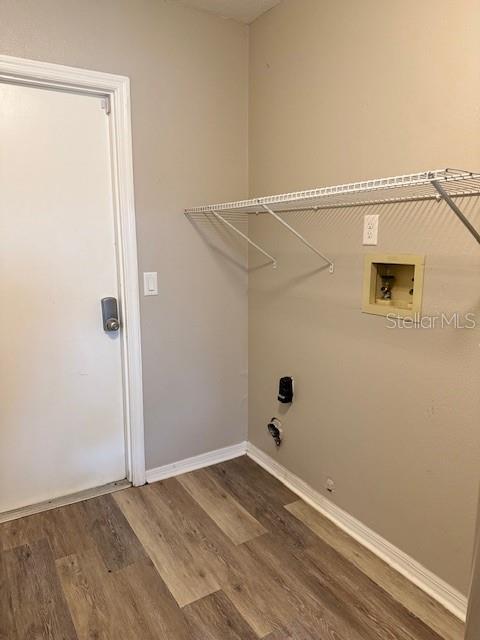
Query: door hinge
[{"x": 107, "y": 105}]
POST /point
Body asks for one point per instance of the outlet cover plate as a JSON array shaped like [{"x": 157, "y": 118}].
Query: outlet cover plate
[{"x": 370, "y": 229}]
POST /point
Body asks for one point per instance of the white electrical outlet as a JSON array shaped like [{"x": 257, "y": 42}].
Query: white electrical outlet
[
  {"x": 330, "y": 485},
  {"x": 370, "y": 229}
]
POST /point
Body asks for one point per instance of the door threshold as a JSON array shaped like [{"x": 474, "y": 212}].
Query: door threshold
[{"x": 47, "y": 505}]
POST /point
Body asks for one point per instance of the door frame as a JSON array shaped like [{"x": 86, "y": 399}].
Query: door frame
[{"x": 115, "y": 90}]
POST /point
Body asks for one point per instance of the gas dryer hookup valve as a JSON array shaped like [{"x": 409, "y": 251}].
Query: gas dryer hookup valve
[{"x": 275, "y": 430}]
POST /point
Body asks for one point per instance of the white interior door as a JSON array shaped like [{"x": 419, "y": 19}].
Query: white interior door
[{"x": 61, "y": 400}]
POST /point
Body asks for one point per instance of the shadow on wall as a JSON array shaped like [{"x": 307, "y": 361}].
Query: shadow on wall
[
  {"x": 219, "y": 239},
  {"x": 322, "y": 228}
]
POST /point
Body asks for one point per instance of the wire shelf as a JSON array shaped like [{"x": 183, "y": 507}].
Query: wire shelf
[
  {"x": 439, "y": 184},
  {"x": 406, "y": 188}
]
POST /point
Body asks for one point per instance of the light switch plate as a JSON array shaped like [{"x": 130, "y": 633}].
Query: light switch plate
[
  {"x": 150, "y": 283},
  {"x": 370, "y": 229}
]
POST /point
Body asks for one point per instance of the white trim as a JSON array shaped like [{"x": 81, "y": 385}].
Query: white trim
[
  {"x": 54, "y": 503},
  {"x": 117, "y": 89},
  {"x": 196, "y": 462},
  {"x": 431, "y": 584}
]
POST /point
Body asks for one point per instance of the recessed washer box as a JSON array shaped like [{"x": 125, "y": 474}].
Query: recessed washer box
[{"x": 393, "y": 284}]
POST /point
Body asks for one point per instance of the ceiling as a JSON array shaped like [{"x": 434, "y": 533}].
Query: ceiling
[{"x": 242, "y": 10}]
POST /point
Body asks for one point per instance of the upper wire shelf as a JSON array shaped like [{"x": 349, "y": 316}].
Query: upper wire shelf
[{"x": 438, "y": 184}]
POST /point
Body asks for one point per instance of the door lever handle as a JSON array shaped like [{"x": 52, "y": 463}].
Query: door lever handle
[{"x": 111, "y": 323}]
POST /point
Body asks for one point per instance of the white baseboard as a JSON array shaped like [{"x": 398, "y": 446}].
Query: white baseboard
[
  {"x": 196, "y": 462},
  {"x": 431, "y": 584}
]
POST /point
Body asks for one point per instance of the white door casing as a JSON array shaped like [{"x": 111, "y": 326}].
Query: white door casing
[{"x": 116, "y": 90}]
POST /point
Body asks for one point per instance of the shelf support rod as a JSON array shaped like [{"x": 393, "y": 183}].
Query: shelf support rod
[
  {"x": 456, "y": 210},
  {"x": 245, "y": 237},
  {"x": 300, "y": 237}
]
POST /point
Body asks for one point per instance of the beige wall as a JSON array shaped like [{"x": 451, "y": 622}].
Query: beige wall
[
  {"x": 340, "y": 91},
  {"x": 188, "y": 74}
]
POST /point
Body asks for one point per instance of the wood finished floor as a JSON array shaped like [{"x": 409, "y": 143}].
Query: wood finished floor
[{"x": 224, "y": 553}]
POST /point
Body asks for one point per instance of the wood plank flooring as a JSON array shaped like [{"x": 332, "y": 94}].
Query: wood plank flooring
[{"x": 224, "y": 553}]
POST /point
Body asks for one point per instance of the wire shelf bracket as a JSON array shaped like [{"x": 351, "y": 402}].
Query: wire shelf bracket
[
  {"x": 245, "y": 237},
  {"x": 448, "y": 185},
  {"x": 456, "y": 209},
  {"x": 300, "y": 237}
]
